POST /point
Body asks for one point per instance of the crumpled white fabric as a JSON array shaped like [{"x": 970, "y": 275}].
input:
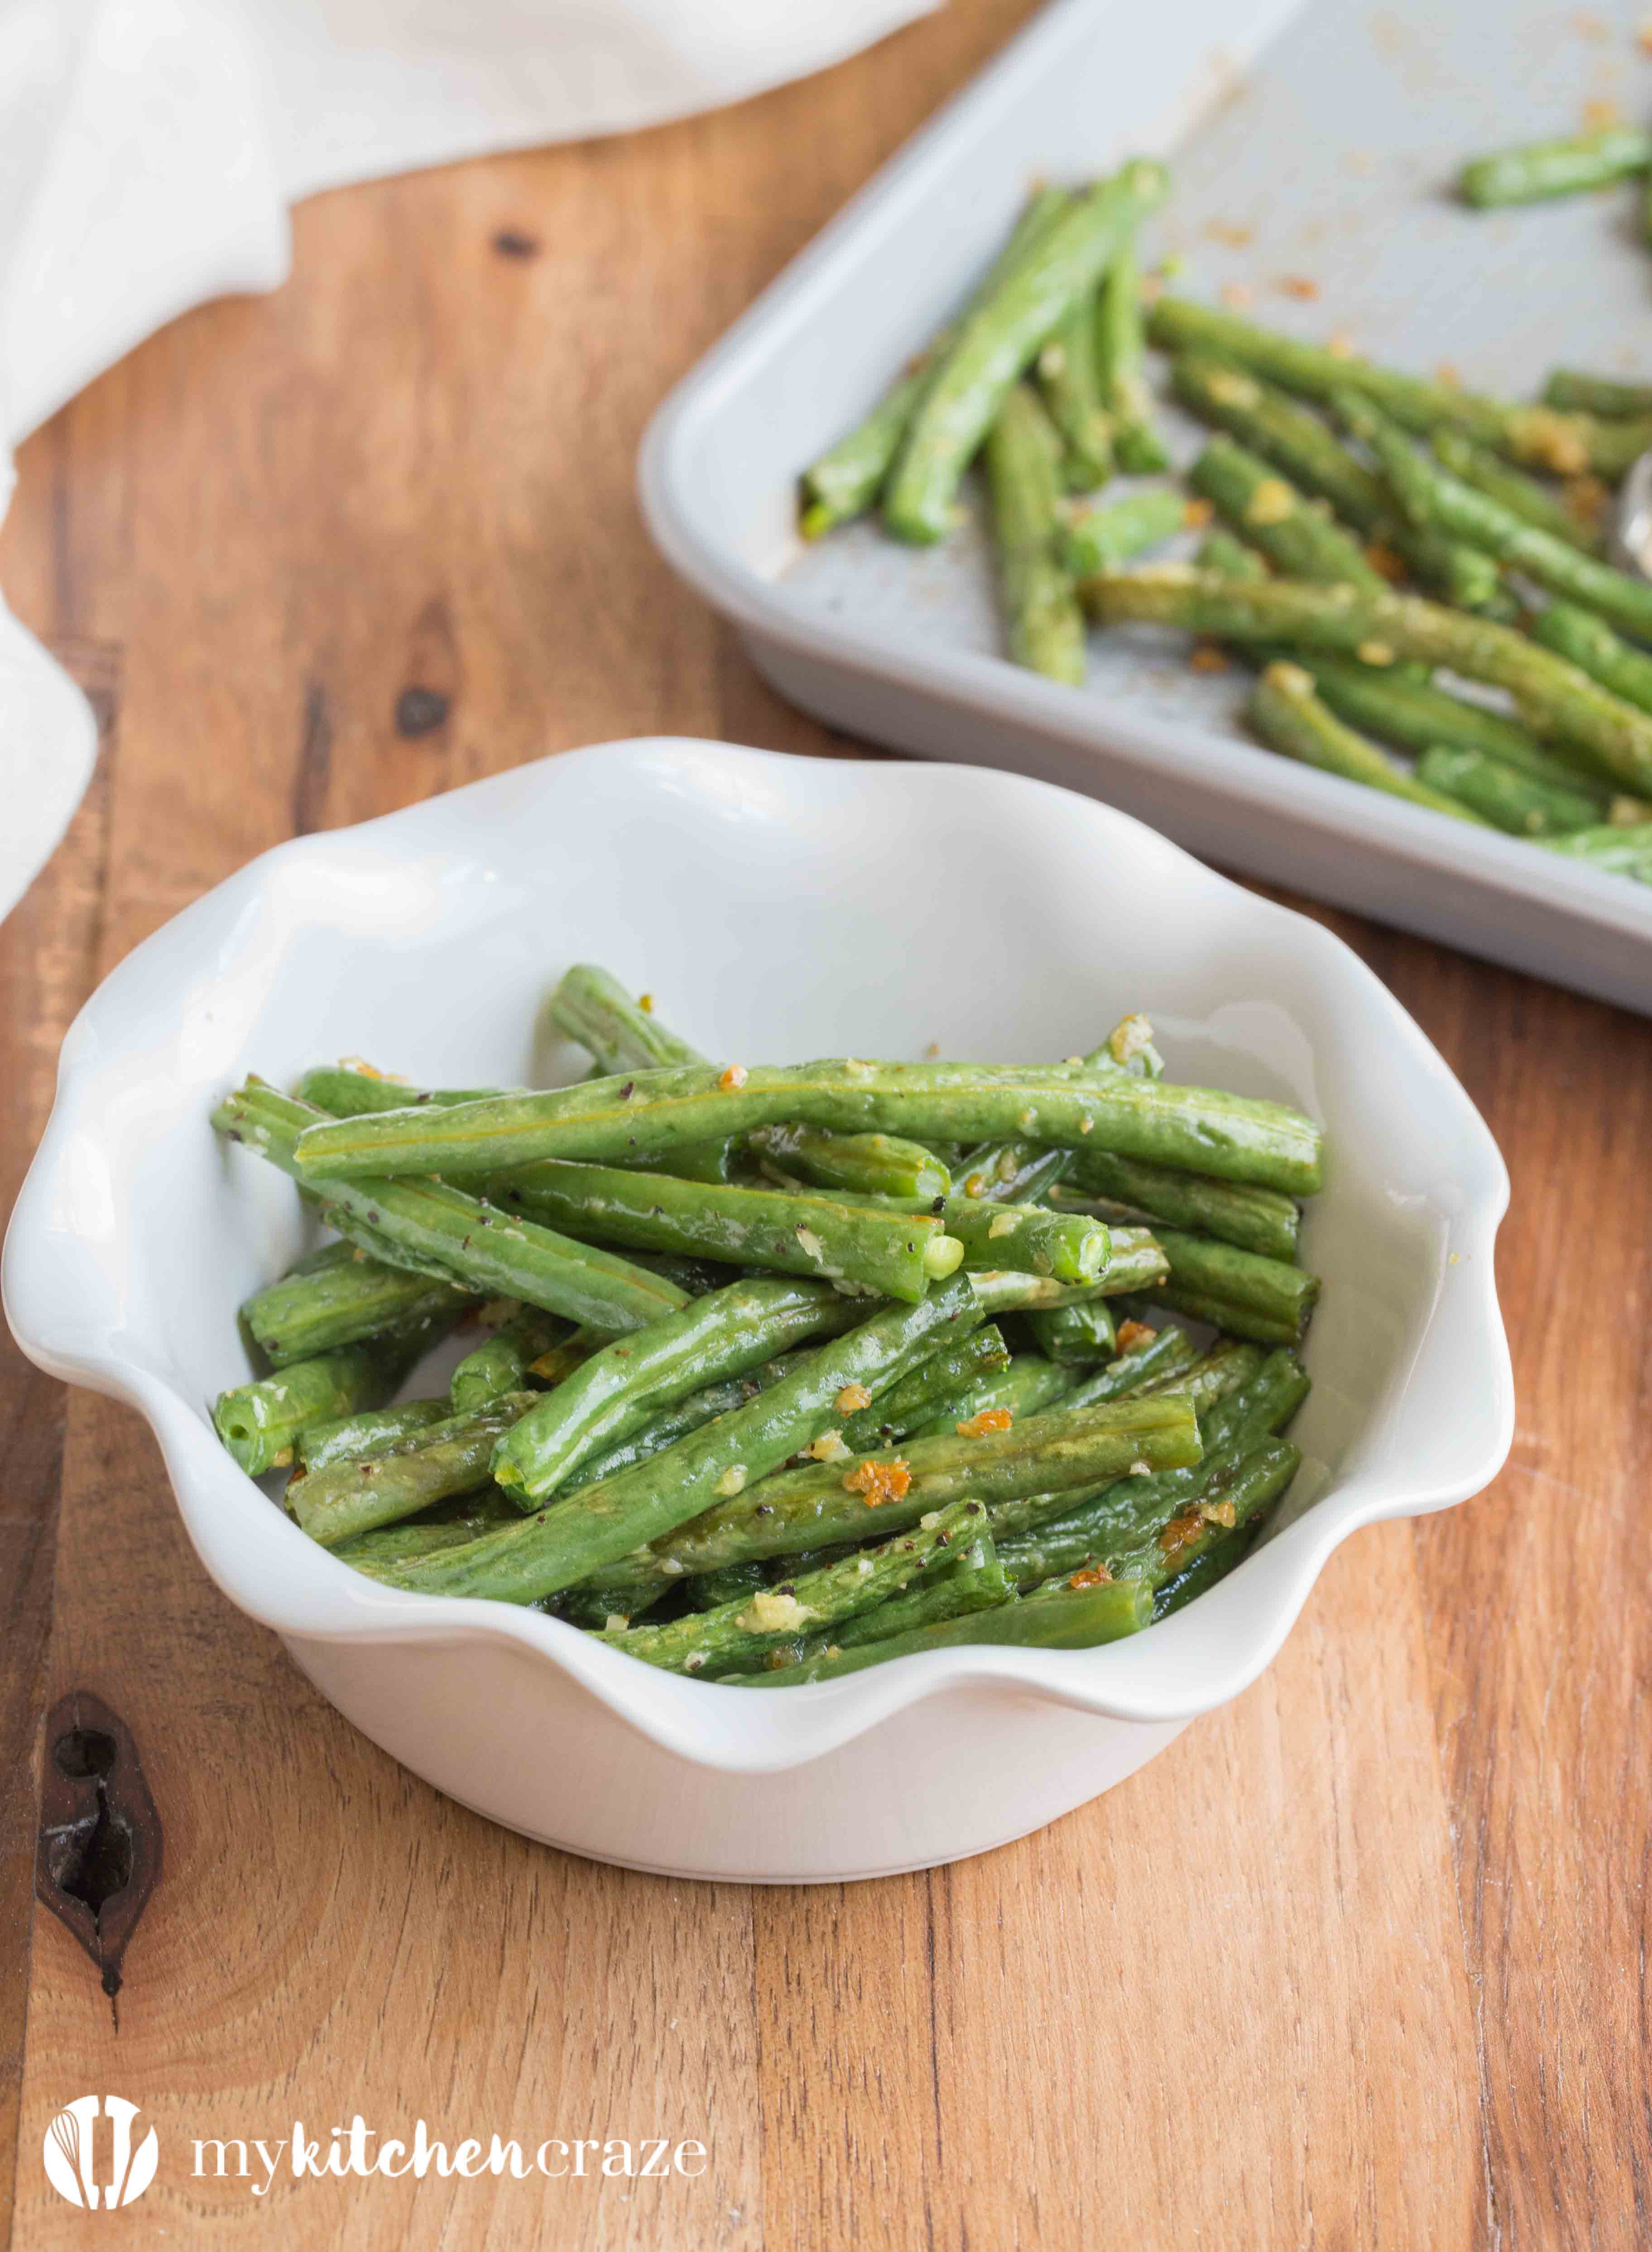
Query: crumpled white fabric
[{"x": 149, "y": 149}]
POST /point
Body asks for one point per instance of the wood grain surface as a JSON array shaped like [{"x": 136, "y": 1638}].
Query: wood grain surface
[{"x": 1359, "y": 1961}]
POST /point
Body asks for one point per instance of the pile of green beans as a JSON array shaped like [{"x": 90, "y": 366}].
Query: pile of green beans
[
  {"x": 779, "y": 1371},
  {"x": 1334, "y": 479}
]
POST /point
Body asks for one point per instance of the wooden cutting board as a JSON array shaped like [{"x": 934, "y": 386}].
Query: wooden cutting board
[{"x": 1358, "y": 1962}]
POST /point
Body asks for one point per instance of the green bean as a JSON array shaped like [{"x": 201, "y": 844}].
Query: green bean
[
  {"x": 1219, "y": 552},
  {"x": 1163, "y": 1354},
  {"x": 953, "y": 1374},
  {"x": 395, "y": 1545},
  {"x": 1110, "y": 532},
  {"x": 997, "y": 339},
  {"x": 1229, "y": 1366},
  {"x": 972, "y": 1583},
  {"x": 1044, "y": 627},
  {"x": 1543, "y": 169},
  {"x": 1239, "y": 1487},
  {"x": 702, "y": 1405},
  {"x": 1077, "y": 1620},
  {"x": 1011, "y": 1172},
  {"x": 1267, "y": 1300},
  {"x": 354, "y": 1090},
  {"x": 1269, "y": 511},
  {"x": 846, "y": 481},
  {"x": 500, "y": 1362},
  {"x": 1554, "y": 696},
  {"x": 1587, "y": 641},
  {"x": 623, "y": 1386},
  {"x": 337, "y": 1297},
  {"x": 734, "y": 1584},
  {"x": 1031, "y": 1237},
  {"x": 1021, "y": 1172},
  {"x": 1513, "y": 801},
  {"x": 347, "y": 1438},
  {"x": 447, "y": 1459},
  {"x": 1430, "y": 495},
  {"x": 1076, "y": 1335},
  {"x": 866, "y": 1165},
  {"x": 594, "y": 1009},
  {"x": 867, "y": 1246},
  {"x": 741, "y": 1633},
  {"x": 1207, "y": 1129},
  {"x": 1564, "y": 444},
  {"x": 1119, "y": 354},
  {"x": 437, "y": 1230},
  {"x": 1027, "y": 1387},
  {"x": 1285, "y": 712},
  {"x": 262, "y": 1423},
  {"x": 822, "y": 1505},
  {"x": 562, "y": 1545},
  {"x": 1616, "y": 851},
  {"x": 1596, "y": 394},
  {"x": 1116, "y": 1524},
  {"x": 1414, "y": 715},
  {"x": 1067, "y": 373},
  {"x": 1270, "y": 422},
  {"x": 1536, "y": 504},
  {"x": 1256, "y": 1219}
]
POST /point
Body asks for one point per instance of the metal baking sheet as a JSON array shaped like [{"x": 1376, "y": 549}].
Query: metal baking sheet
[{"x": 1313, "y": 148}]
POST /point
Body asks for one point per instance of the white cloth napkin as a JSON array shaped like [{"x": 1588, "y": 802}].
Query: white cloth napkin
[{"x": 149, "y": 148}]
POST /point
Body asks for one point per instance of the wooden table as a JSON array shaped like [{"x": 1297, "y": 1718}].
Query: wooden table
[{"x": 1359, "y": 1961}]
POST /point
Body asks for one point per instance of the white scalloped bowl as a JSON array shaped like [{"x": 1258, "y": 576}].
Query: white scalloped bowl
[{"x": 781, "y": 908}]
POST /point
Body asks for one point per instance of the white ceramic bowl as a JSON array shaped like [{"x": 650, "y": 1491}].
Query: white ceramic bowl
[{"x": 781, "y": 907}]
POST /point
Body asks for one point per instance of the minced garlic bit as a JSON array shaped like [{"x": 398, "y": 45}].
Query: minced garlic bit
[
  {"x": 282, "y": 1461},
  {"x": 1086, "y": 1125},
  {"x": 731, "y": 1482},
  {"x": 1448, "y": 374},
  {"x": 854, "y": 1068},
  {"x": 1298, "y": 285},
  {"x": 1005, "y": 1167},
  {"x": 1237, "y": 295},
  {"x": 879, "y": 1481},
  {"x": 693, "y": 1662},
  {"x": 1093, "y": 1575},
  {"x": 1139, "y": 1469},
  {"x": 645, "y": 1002},
  {"x": 976, "y": 1186},
  {"x": 496, "y": 1312},
  {"x": 1340, "y": 345},
  {"x": 615, "y": 1623},
  {"x": 1130, "y": 1037},
  {"x": 1132, "y": 1334},
  {"x": 736, "y": 1075},
  {"x": 1196, "y": 514},
  {"x": 930, "y": 1519},
  {"x": 851, "y": 1398},
  {"x": 1374, "y": 652},
  {"x": 829, "y": 1448},
  {"x": 1271, "y": 503},
  {"x": 774, "y": 1611},
  {"x": 1004, "y": 1224},
  {"x": 1206, "y": 658},
  {"x": 1219, "y": 1512},
  {"x": 369, "y": 1071},
  {"x": 1029, "y": 1119},
  {"x": 808, "y": 1243},
  {"x": 1181, "y": 1532},
  {"x": 1233, "y": 389},
  {"x": 989, "y": 1419}
]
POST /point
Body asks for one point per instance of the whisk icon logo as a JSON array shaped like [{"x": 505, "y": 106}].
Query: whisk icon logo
[{"x": 69, "y": 2159}]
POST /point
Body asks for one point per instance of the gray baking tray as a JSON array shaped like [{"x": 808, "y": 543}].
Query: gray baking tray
[{"x": 1313, "y": 147}]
